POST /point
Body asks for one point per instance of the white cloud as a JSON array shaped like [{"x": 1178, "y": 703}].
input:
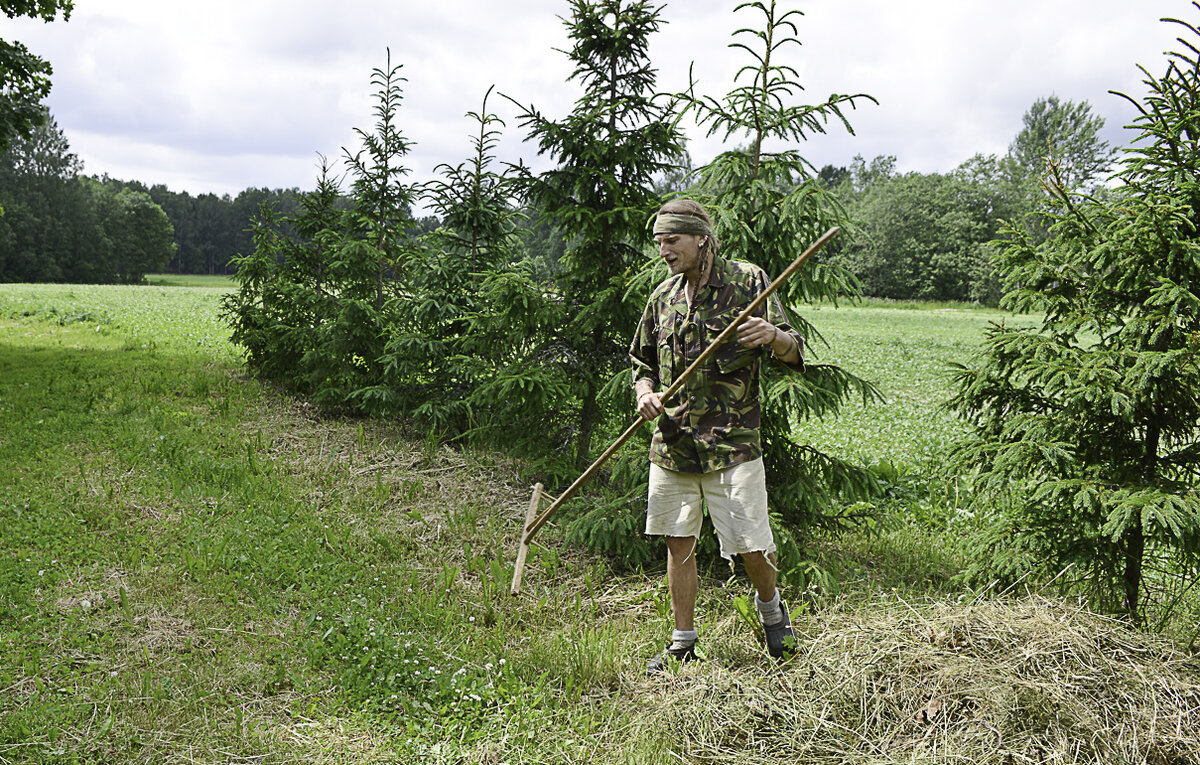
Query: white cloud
[{"x": 223, "y": 95}]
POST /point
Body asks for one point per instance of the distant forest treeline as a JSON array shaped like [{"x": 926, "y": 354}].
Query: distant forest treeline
[
  {"x": 212, "y": 230},
  {"x": 57, "y": 225},
  {"x": 209, "y": 229},
  {"x": 912, "y": 236}
]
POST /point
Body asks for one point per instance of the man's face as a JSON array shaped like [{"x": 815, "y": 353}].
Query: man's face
[{"x": 681, "y": 253}]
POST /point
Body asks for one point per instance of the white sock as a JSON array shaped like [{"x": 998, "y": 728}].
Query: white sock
[
  {"x": 770, "y": 611},
  {"x": 684, "y": 638}
]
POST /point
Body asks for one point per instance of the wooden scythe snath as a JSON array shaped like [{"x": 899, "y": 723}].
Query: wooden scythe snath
[{"x": 534, "y": 521}]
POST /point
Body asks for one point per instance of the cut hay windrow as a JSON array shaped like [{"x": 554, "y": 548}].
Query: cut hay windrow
[{"x": 995, "y": 682}]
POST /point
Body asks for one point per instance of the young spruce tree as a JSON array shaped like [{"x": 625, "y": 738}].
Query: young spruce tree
[
  {"x": 372, "y": 265},
  {"x": 608, "y": 151},
  {"x": 768, "y": 207},
  {"x": 1085, "y": 455},
  {"x": 441, "y": 344},
  {"x": 283, "y": 291},
  {"x": 317, "y": 296}
]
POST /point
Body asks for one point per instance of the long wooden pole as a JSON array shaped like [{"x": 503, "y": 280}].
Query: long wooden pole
[{"x": 532, "y": 527}]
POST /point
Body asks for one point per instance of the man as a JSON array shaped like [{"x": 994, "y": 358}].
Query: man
[{"x": 706, "y": 448}]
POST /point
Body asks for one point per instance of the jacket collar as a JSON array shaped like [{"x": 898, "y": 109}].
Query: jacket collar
[
  {"x": 718, "y": 272},
  {"x": 717, "y": 278}
]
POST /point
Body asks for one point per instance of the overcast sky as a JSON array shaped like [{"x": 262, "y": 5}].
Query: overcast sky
[{"x": 221, "y": 95}]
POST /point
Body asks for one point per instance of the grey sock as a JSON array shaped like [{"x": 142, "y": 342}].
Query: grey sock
[
  {"x": 684, "y": 638},
  {"x": 770, "y": 611}
]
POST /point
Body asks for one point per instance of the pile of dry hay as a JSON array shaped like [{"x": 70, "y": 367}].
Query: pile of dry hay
[{"x": 993, "y": 682}]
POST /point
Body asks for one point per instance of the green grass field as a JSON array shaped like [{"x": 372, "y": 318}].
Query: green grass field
[
  {"x": 174, "y": 319},
  {"x": 190, "y": 280},
  {"x": 906, "y": 351},
  {"x": 195, "y": 567}
]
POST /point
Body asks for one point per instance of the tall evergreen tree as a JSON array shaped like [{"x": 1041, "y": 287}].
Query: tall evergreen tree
[
  {"x": 608, "y": 152},
  {"x": 768, "y": 206},
  {"x": 44, "y": 208},
  {"x": 1086, "y": 449}
]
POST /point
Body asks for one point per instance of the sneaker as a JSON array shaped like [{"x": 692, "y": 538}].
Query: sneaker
[
  {"x": 781, "y": 640},
  {"x": 671, "y": 655}
]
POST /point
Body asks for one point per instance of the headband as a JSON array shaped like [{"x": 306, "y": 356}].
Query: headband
[{"x": 681, "y": 223}]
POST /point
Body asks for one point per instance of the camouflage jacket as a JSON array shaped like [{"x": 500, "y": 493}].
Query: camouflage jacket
[{"x": 713, "y": 421}]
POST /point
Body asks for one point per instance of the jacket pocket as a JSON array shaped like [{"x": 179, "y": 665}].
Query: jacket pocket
[{"x": 731, "y": 356}]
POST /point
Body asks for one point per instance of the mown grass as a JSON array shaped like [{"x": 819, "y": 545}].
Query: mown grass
[{"x": 196, "y": 568}]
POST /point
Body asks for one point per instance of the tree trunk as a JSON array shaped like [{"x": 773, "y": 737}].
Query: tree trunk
[
  {"x": 587, "y": 425},
  {"x": 1134, "y": 538},
  {"x": 1135, "y": 548}
]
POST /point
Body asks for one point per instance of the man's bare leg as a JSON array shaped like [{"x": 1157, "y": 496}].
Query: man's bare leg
[
  {"x": 683, "y": 581},
  {"x": 760, "y": 567}
]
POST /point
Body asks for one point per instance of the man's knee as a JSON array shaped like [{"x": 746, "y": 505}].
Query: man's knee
[
  {"x": 681, "y": 548},
  {"x": 758, "y": 558}
]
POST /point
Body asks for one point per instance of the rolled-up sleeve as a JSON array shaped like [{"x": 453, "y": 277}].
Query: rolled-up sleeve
[{"x": 778, "y": 316}]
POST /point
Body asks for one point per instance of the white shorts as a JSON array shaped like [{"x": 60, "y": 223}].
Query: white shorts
[{"x": 737, "y": 503}]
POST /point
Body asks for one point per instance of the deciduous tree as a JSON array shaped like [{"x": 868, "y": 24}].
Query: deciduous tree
[
  {"x": 1065, "y": 133},
  {"x": 924, "y": 236},
  {"x": 59, "y": 226},
  {"x": 24, "y": 77},
  {"x": 141, "y": 236}
]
